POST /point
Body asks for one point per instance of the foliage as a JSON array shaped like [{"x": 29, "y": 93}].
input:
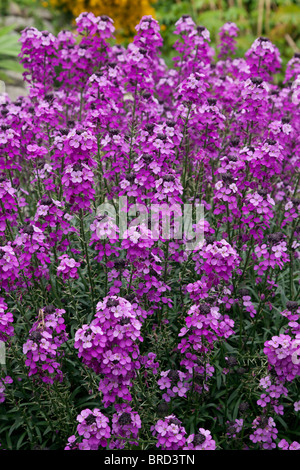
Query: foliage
[{"x": 9, "y": 51}]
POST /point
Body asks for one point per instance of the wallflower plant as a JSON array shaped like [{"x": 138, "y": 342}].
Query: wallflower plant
[{"x": 118, "y": 336}]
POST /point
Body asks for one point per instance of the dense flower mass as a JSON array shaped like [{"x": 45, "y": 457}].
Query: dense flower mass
[{"x": 149, "y": 242}]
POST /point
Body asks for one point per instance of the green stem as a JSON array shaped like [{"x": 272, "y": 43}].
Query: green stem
[{"x": 85, "y": 248}]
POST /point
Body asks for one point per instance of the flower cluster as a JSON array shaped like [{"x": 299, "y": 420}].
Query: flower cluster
[
  {"x": 125, "y": 427},
  {"x": 68, "y": 267},
  {"x": 204, "y": 326},
  {"x": 43, "y": 347},
  {"x": 6, "y": 320},
  {"x": 94, "y": 430},
  {"x": 169, "y": 432},
  {"x": 228, "y": 45},
  {"x": 217, "y": 260},
  {"x": 265, "y": 432},
  {"x": 282, "y": 351},
  {"x": 175, "y": 383},
  {"x": 200, "y": 441},
  {"x": 109, "y": 345},
  {"x": 3, "y": 382},
  {"x": 284, "y": 445},
  {"x": 273, "y": 391}
]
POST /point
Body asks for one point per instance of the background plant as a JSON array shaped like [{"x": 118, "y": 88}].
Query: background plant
[
  {"x": 9, "y": 51},
  {"x": 279, "y": 20}
]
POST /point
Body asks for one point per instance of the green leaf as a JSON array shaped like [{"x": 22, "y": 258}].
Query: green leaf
[
  {"x": 20, "y": 441},
  {"x": 8, "y": 440},
  {"x": 12, "y": 65},
  {"x": 7, "y": 29},
  {"x": 236, "y": 409},
  {"x": 288, "y": 14},
  {"x": 4, "y": 76},
  {"x": 212, "y": 20},
  {"x": 9, "y": 45},
  {"x": 17, "y": 423},
  {"x": 282, "y": 422}
]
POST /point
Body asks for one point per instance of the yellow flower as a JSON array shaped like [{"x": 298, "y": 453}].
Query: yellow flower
[{"x": 125, "y": 13}]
